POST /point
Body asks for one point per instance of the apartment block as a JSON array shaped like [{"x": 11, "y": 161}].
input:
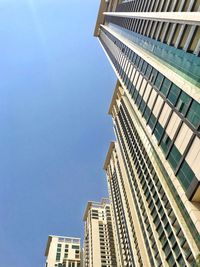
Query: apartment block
[
  {"x": 63, "y": 251},
  {"x": 153, "y": 168},
  {"x": 99, "y": 245}
]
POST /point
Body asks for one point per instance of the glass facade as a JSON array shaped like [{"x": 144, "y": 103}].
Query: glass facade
[
  {"x": 185, "y": 64},
  {"x": 160, "y": 86},
  {"x": 153, "y": 168},
  {"x": 153, "y": 208}
]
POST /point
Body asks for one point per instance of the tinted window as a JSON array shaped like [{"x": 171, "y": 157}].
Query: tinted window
[
  {"x": 173, "y": 94},
  {"x": 194, "y": 114}
]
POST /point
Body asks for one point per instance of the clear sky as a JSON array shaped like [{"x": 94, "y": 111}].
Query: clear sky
[{"x": 55, "y": 89}]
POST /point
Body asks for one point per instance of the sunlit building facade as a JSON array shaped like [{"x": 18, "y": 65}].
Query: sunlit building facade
[
  {"x": 99, "y": 245},
  {"x": 62, "y": 251},
  {"x": 153, "y": 168}
]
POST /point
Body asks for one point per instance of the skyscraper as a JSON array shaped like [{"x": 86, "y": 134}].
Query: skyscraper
[
  {"x": 153, "y": 168},
  {"x": 99, "y": 247},
  {"x": 62, "y": 251}
]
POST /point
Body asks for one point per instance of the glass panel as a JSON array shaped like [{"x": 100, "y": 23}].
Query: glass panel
[
  {"x": 173, "y": 94},
  {"x": 147, "y": 113},
  {"x": 185, "y": 64},
  {"x": 164, "y": 219},
  {"x": 158, "y": 131},
  {"x": 134, "y": 58},
  {"x": 144, "y": 67},
  {"x": 148, "y": 71},
  {"x": 160, "y": 230},
  {"x": 172, "y": 239},
  {"x": 138, "y": 99},
  {"x": 167, "y": 249},
  {"x": 174, "y": 157},
  {"x": 181, "y": 261},
  {"x": 142, "y": 105},
  {"x": 165, "y": 143},
  {"x": 194, "y": 114},
  {"x": 158, "y": 81},
  {"x": 171, "y": 260},
  {"x": 140, "y": 64},
  {"x": 185, "y": 175},
  {"x": 153, "y": 75},
  {"x": 176, "y": 250},
  {"x": 135, "y": 94},
  {"x": 183, "y": 103},
  {"x": 152, "y": 121},
  {"x": 137, "y": 60},
  {"x": 165, "y": 86},
  {"x": 58, "y": 256},
  {"x": 75, "y": 247},
  {"x": 168, "y": 229}
]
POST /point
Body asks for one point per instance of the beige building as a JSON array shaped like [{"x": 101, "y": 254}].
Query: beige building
[
  {"x": 99, "y": 250},
  {"x": 153, "y": 168},
  {"x": 62, "y": 251}
]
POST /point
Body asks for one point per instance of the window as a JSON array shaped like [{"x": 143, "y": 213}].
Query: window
[
  {"x": 158, "y": 81},
  {"x": 158, "y": 131},
  {"x": 183, "y": 103},
  {"x": 58, "y": 256},
  {"x": 173, "y": 94},
  {"x": 185, "y": 175},
  {"x": 75, "y": 247},
  {"x": 172, "y": 239},
  {"x": 148, "y": 71},
  {"x": 174, "y": 157},
  {"x": 152, "y": 121},
  {"x": 147, "y": 113},
  {"x": 165, "y": 86},
  {"x": 167, "y": 249},
  {"x": 140, "y": 64},
  {"x": 176, "y": 250},
  {"x": 144, "y": 67},
  {"x": 153, "y": 75},
  {"x": 137, "y": 60},
  {"x": 181, "y": 261},
  {"x": 163, "y": 238},
  {"x": 165, "y": 143},
  {"x": 194, "y": 114},
  {"x": 168, "y": 229},
  {"x": 59, "y": 245},
  {"x": 171, "y": 260}
]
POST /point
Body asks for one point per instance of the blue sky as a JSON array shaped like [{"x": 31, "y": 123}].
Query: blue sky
[{"x": 55, "y": 90}]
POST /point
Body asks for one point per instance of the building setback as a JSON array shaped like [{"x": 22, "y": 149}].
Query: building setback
[
  {"x": 153, "y": 167},
  {"x": 99, "y": 246},
  {"x": 62, "y": 251}
]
